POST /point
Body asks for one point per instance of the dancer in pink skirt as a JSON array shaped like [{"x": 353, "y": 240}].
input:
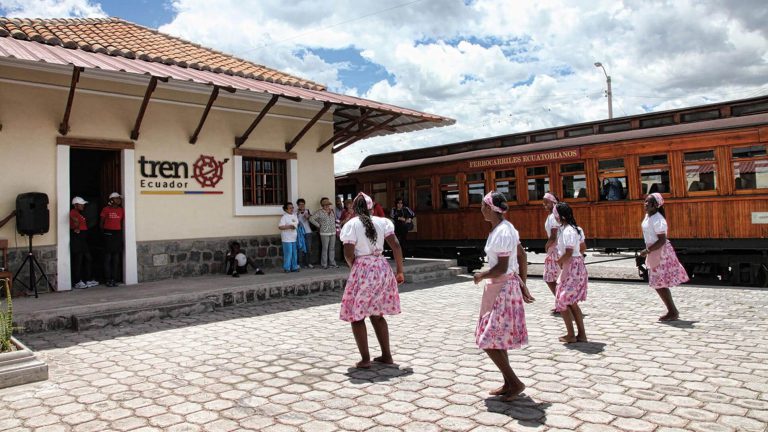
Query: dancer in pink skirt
[
  {"x": 502, "y": 316},
  {"x": 551, "y": 226},
  {"x": 664, "y": 270},
  {"x": 371, "y": 289},
  {"x": 572, "y": 287}
]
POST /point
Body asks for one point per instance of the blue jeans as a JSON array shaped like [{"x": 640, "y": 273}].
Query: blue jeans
[{"x": 290, "y": 261}]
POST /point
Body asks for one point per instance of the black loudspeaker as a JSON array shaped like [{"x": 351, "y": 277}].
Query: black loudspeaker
[{"x": 32, "y": 213}]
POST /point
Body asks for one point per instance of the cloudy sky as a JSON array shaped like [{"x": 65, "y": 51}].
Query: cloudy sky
[{"x": 496, "y": 66}]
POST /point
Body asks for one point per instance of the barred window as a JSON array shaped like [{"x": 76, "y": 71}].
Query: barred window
[{"x": 265, "y": 182}]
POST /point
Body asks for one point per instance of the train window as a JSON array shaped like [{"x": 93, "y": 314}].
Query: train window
[
  {"x": 401, "y": 190},
  {"x": 613, "y": 179},
  {"x": 449, "y": 192},
  {"x": 424, "y": 193},
  {"x": 750, "y": 170},
  {"x": 538, "y": 182},
  {"x": 654, "y": 174},
  {"x": 475, "y": 188},
  {"x": 700, "y": 170},
  {"x": 657, "y": 121},
  {"x": 505, "y": 182},
  {"x": 574, "y": 180},
  {"x": 379, "y": 192},
  {"x": 700, "y": 116}
]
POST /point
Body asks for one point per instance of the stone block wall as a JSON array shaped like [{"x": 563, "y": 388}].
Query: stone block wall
[
  {"x": 46, "y": 256},
  {"x": 167, "y": 259}
]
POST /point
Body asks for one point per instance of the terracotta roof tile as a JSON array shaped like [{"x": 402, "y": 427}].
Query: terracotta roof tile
[{"x": 117, "y": 37}]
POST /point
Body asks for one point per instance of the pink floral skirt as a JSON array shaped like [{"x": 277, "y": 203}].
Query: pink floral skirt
[
  {"x": 371, "y": 290},
  {"x": 551, "y": 269},
  {"x": 502, "y": 315},
  {"x": 572, "y": 287},
  {"x": 664, "y": 269}
]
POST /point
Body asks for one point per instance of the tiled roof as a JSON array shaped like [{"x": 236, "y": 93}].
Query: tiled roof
[{"x": 116, "y": 37}]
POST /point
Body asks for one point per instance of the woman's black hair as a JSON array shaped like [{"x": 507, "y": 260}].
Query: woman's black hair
[
  {"x": 400, "y": 200},
  {"x": 285, "y": 206},
  {"x": 499, "y": 200},
  {"x": 361, "y": 210},
  {"x": 659, "y": 208},
  {"x": 566, "y": 214}
]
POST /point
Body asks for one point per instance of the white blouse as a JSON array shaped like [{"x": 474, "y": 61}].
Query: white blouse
[
  {"x": 353, "y": 232},
  {"x": 502, "y": 242},
  {"x": 569, "y": 237},
  {"x": 652, "y": 227},
  {"x": 550, "y": 224}
]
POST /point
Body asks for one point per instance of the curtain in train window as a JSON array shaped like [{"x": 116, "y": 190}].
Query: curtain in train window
[
  {"x": 654, "y": 174},
  {"x": 505, "y": 182},
  {"x": 379, "y": 192},
  {"x": 612, "y": 178},
  {"x": 700, "y": 170},
  {"x": 475, "y": 188},
  {"x": 538, "y": 182},
  {"x": 449, "y": 192},
  {"x": 750, "y": 167},
  {"x": 423, "y": 193},
  {"x": 574, "y": 180}
]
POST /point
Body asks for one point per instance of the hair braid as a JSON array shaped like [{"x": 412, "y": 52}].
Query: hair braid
[{"x": 361, "y": 209}]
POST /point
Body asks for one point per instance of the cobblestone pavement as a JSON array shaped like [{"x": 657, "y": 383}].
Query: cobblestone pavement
[{"x": 284, "y": 366}]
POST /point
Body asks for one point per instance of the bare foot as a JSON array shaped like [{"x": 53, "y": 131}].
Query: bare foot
[
  {"x": 581, "y": 338},
  {"x": 513, "y": 392},
  {"x": 670, "y": 317},
  {"x": 384, "y": 359},
  {"x": 363, "y": 364},
  {"x": 499, "y": 391},
  {"x": 568, "y": 339}
]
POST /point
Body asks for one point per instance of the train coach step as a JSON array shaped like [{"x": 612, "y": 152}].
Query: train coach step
[{"x": 133, "y": 316}]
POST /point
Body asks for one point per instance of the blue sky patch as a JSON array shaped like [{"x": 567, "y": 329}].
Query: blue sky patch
[{"x": 357, "y": 72}]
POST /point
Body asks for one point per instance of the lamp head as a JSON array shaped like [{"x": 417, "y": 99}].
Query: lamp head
[{"x": 598, "y": 64}]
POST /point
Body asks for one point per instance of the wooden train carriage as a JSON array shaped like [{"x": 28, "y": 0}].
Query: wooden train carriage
[{"x": 709, "y": 162}]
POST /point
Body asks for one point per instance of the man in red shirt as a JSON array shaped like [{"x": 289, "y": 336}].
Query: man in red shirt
[
  {"x": 378, "y": 210},
  {"x": 78, "y": 244},
  {"x": 112, "y": 219}
]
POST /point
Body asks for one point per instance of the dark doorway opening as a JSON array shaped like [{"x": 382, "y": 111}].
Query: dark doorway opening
[{"x": 93, "y": 175}]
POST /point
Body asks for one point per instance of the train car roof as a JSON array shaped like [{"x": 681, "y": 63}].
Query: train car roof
[{"x": 737, "y": 113}]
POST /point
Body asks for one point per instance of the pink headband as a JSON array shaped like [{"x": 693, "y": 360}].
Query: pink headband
[
  {"x": 488, "y": 200},
  {"x": 368, "y": 200},
  {"x": 659, "y": 199},
  {"x": 548, "y": 196},
  {"x": 554, "y": 212}
]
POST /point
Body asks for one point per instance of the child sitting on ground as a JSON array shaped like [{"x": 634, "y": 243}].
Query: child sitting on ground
[{"x": 237, "y": 262}]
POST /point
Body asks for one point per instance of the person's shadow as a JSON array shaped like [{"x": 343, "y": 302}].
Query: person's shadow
[
  {"x": 525, "y": 410},
  {"x": 377, "y": 373},
  {"x": 587, "y": 347},
  {"x": 680, "y": 324}
]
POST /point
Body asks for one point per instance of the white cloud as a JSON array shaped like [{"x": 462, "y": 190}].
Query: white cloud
[
  {"x": 52, "y": 8},
  {"x": 496, "y": 66}
]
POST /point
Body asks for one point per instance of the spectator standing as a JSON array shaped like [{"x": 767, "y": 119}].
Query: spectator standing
[
  {"x": 78, "y": 244},
  {"x": 287, "y": 225},
  {"x": 112, "y": 221},
  {"x": 346, "y": 214},
  {"x": 378, "y": 210},
  {"x": 402, "y": 216},
  {"x": 339, "y": 207},
  {"x": 304, "y": 214},
  {"x": 325, "y": 220}
]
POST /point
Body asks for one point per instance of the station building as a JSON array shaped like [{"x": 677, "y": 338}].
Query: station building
[{"x": 204, "y": 147}]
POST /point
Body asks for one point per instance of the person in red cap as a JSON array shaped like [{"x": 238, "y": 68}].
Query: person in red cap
[
  {"x": 112, "y": 223},
  {"x": 664, "y": 269},
  {"x": 78, "y": 245}
]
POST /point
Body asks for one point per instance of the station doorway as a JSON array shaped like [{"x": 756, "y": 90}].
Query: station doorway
[{"x": 93, "y": 175}]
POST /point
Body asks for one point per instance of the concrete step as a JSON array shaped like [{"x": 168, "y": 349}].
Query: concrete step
[
  {"x": 443, "y": 274},
  {"x": 104, "y": 319}
]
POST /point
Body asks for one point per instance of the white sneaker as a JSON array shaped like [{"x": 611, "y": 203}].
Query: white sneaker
[
  {"x": 91, "y": 283},
  {"x": 80, "y": 285}
]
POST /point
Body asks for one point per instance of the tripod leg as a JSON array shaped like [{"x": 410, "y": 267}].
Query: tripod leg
[{"x": 42, "y": 275}]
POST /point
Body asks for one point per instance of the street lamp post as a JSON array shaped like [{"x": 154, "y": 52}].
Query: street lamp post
[{"x": 608, "y": 92}]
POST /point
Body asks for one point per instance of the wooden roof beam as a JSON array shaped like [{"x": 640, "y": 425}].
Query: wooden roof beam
[
  {"x": 144, "y": 103},
  {"x": 367, "y": 122},
  {"x": 366, "y": 133},
  {"x": 64, "y": 126},
  {"x": 343, "y": 132},
  {"x": 214, "y": 95},
  {"x": 243, "y": 138},
  {"x": 290, "y": 145}
]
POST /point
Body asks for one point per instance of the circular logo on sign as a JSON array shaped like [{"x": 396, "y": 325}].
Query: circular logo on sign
[{"x": 208, "y": 171}]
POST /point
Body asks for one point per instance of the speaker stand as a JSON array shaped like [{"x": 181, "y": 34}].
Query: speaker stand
[{"x": 33, "y": 280}]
